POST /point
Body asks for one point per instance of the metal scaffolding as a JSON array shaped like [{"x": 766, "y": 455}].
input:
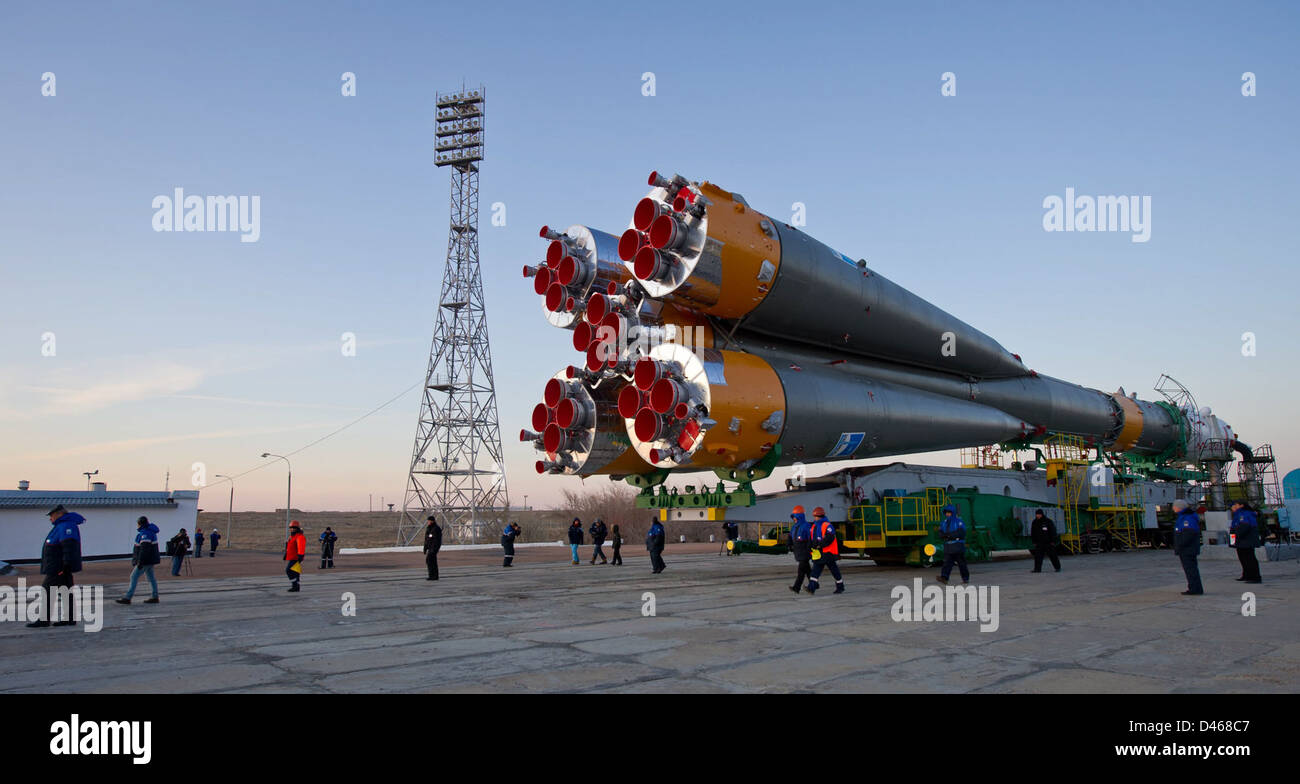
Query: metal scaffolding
[{"x": 456, "y": 470}]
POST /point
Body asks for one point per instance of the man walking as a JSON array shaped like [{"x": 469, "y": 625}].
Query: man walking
[
  {"x": 295, "y": 552},
  {"x": 598, "y": 534},
  {"x": 953, "y": 531},
  {"x": 327, "y": 540},
  {"x": 828, "y": 545},
  {"x": 654, "y": 542},
  {"x": 801, "y": 546},
  {"x": 575, "y": 540},
  {"x": 508, "y": 543},
  {"x": 732, "y": 530},
  {"x": 1042, "y": 532},
  {"x": 1187, "y": 545},
  {"x": 143, "y": 558},
  {"x": 1245, "y": 530},
  {"x": 213, "y": 538},
  {"x": 432, "y": 544},
  {"x": 60, "y": 558}
]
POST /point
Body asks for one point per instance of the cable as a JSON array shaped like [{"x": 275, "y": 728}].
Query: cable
[{"x": 375, "y": 410}]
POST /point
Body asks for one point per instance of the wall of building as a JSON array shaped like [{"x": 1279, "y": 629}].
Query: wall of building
[{"x": 109, "y": 529}]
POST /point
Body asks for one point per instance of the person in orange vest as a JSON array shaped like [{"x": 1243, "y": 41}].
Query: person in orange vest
[
  {"x": 295, "y": 552},
  {"x": 824, "y": 539}
]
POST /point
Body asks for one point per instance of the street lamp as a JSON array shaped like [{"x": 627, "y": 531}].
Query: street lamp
[
  {"x": 525, "y": 502},
  {"x": 288, "y": 499},
  {"x": 230, "y": 523}
]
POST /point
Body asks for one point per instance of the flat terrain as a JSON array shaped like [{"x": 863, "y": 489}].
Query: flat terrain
[{"x": 1107, "y": 623}]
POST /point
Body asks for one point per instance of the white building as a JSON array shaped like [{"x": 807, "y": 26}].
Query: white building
[{"x": 109, "y": 530}]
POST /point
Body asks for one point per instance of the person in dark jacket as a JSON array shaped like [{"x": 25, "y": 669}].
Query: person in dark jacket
[
  {"x": 1245, "y": 530},
  {"x": 827, "y": 544},
  {"x": 953, "y": 531},
  {"x": 327, "y": 540},
  {"x": 801, "y": 546},
  {"x": 213, "y": 539},
  {"x": 508, "y": 542},
  {"x": 198, "y": 542},
  {"x": 1187, "y": 545},
  {"x": 144, "y": 557},
  {"x": 1042, "y": 532},
  {"x": 616, "y": 540},
  {"x": 598, "y": 533},
  {"x": 732, "y": 531},
  {"x": 177, "y": 547},
  {"x": 654, "y": 542},
  {"x": 432, "y": 544},
  {"x": 575, "y": 539},
  {"x": 60, "y": 559}
]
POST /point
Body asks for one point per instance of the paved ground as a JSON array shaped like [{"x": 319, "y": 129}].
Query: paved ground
[{"x": 1108, "y": 623}]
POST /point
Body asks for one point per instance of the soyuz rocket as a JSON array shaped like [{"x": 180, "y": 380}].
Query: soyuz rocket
[{"x": 710, "y": 333}]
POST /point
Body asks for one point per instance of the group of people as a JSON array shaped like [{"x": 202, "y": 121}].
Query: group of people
[
  {"x": 600, "y": 533},
  {"x": 1245, "y": 535}
]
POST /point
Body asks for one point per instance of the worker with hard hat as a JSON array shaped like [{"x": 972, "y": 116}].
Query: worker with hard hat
[
  {"x": 953, "y": 530},
  {"x": 295, "y": 552},
  {"x": 826, "y": 551},
  {"x": 801, "y": 546}
]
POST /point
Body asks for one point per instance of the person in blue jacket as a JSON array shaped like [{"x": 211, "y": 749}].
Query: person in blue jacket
[
  {"x": 327, "y": 540},
  {"x": 598, "y": 533},
  {"x": 801, "y": 546},
  {"x": 1245, "y": 527},
  {"x": 1187, "y": 545},
  {"x": 60, "y": 559},
  {"x": 654, "y": 543},
  {"x": 508, "y": 537},
  {"x": 198, "y": 542},
  {"x": 213, "y": 539},
  {"x": 143, "y": 558},
  {"x": 953, "y": 531}
]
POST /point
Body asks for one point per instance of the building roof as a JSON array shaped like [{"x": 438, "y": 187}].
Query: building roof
[{"x": 48, "y": 499}]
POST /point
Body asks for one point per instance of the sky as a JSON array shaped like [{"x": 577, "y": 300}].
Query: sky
[{"x": 141, "y": 353}]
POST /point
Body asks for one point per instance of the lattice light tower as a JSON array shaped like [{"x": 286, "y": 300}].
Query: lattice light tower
[{"x": 457, "y": 471}]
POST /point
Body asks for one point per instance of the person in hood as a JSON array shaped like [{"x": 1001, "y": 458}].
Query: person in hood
[
  {"x": 654, "y": 543},
  {"x": 508, "y": 537},
  {"x": 144, "y": 557},
  {"x": 295, "y": 552},
  {"x": 432, "y": 544},
  {"x": 213, "y": 538},
  {"x": 1042, "y": 532},
  {"x": 731, "y": 529},
  {"x": 801, "y": 546},
  {"x": 1245, "y": 530},
  {"x": 575, "y": 540},
  {"x": 198, "y": 542},
  {"x": 1187, "y": 545},
  {"x": 598, "y": 533},
  {"x": 60, "y": 559},
  {"x": 953, "y": 530}
]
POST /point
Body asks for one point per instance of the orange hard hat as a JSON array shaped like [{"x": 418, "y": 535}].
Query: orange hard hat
[
  {"x": 819, "y": 512},
  {"x": 797, "y": 510}
]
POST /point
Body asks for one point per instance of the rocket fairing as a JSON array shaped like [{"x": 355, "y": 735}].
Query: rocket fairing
[{"x": 710, "y": 333}]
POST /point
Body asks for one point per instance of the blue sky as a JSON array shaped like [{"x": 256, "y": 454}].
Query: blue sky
[{"x": 176, "y": 348}]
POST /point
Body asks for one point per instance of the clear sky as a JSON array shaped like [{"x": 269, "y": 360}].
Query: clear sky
[{"x": 176, "y": 348}]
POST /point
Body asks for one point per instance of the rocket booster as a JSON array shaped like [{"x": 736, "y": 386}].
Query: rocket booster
[{"x": 710, "y": 333}]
